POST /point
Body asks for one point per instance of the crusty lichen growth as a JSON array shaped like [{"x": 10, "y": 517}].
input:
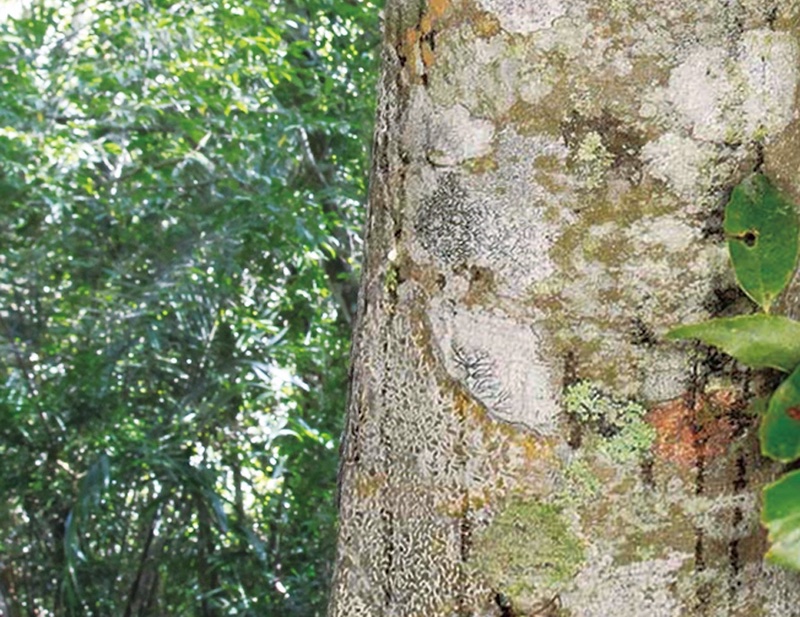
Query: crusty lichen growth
[
  {"x": 592, "y": 160},
  {"x": 625, "y": 435},
  {"x": 580, "y": 484},
  {"x": 528, "y": 553},
  {"x": 582, "y": 217}
]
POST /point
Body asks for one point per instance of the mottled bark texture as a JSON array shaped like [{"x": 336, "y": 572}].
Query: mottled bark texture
[{"x": 546, "y": 201}]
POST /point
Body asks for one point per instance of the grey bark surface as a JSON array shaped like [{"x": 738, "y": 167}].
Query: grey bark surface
[{"x": 546, "y": 202}]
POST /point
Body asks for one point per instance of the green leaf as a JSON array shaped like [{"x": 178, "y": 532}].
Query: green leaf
[
  {"x": 781, "y": 516},
  {"x": 762, "y": 229},
  {"x": 760, "y": 341},
  {"x": 780, "y": 427}
]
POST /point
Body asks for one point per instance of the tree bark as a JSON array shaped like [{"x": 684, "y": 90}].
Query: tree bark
[{"x": 546, "y": 201}]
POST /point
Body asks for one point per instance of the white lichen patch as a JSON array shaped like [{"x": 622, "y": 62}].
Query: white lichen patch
[
  {"x": 456, "y": 136},
  {"x": 700, "y": 89},
  {"x": 722, "y": 98},
  {"x": 478, "y": 73},
  {"x": 680, "y": 162},
  {"x": 490, "y": 220},
  {"x": 536, "y": 82},
  {"x": 523, "y": 16},
  {"x": 516, "y": 237},
  {"x": 668, "y": 232},
  {"x": 500, "y": 362},
  {"x": 645, "y": 587},
  {"x": 572, "y": 38},
  {"x": 723, "y": 516},
  {"x": 445, "y": 136},
  {"x": 769, "y": 65},
  {"x": 778, "y": 586}
]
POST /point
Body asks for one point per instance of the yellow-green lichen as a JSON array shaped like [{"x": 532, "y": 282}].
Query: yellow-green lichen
[
  {"x": 480, "y": 165},
  {"x": 528, "y": 553},
  {"x": 581, "y": 484},
  {"x": 592, "y": 160},
  {"x": 485, "y": 25},
  {"x": 625, "y": 435},
  {"x": 391, "y": 278}
]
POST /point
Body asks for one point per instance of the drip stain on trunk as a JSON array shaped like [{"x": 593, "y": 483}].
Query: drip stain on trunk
[
  {"x": 703, "y": 590},
  {"x": 570, "y": 377},
  {"x": 465, "y": 524},
  {"x": 734, "y": 556},
  {"x": 647, "y": 473}
]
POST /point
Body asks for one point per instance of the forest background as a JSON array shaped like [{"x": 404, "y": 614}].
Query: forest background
[{"x": 182, "y": 186}]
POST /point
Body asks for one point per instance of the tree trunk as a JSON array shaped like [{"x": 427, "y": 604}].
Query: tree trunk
[{"x": 548, "y": 185}]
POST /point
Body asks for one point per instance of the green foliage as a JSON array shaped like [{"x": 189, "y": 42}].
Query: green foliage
[
  {"x": 181, "y": 185},
  {"x": 763, "y": 242},
  {"x": 760, "y": 341},
  {"x": 781, "y": 515},
  {"x": 780, "y": 426},
  {"x": 762, "y": 229}
]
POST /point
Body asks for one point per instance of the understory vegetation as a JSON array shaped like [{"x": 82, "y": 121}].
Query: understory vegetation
[{"x": 181, "y": 190}]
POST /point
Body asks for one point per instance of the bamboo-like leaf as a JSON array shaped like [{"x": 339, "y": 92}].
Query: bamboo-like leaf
[
  {"x": 762, "y": 229},
  {"x": 760, "y": 341}
]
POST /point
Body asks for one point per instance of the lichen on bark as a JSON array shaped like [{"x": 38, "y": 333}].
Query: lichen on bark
[
  {"x": 546, "y": 202},
  {"x": 529, "y": 552}
]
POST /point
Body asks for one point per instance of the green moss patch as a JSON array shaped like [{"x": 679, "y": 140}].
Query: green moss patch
[{"x": 528, "y": 552}]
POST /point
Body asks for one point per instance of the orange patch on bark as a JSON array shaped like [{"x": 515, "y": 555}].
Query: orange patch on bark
[
  {"x": 438, "y": 7},
  {"x": 426, "y": 23},
  {"x": 415, "y": 46},
  {"x": 427, "y": 54},
  {"x": 686, "y": 432}
]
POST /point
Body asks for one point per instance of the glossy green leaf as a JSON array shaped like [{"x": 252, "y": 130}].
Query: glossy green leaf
[
  {"x": 781, "y": 516},
  {"x": 762, "y": 229},
  {"x": 780, "y": 426},
  {"x": 760, "y": 341}
]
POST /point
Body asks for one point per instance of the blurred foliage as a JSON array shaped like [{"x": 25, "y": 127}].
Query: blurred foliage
[{"x": 181, "y": 185}]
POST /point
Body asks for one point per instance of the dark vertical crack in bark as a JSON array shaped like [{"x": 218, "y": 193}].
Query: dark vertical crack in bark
[
  {"x": 734, "y": 557},
  {"x": 759, "y": 164},
  {"x": 464, "y": 523},
  {"x": 570, "y": 377},
  {"x": 771, "y": 15},
  {"x": 387, "y": 498},
  {"x": 703, "y": 591},
  {"x": 648, "y": 478},
  {"x": 465, "y": 543}
]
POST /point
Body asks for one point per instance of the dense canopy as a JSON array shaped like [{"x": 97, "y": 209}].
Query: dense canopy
[{"x": 181, "y": 186}]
